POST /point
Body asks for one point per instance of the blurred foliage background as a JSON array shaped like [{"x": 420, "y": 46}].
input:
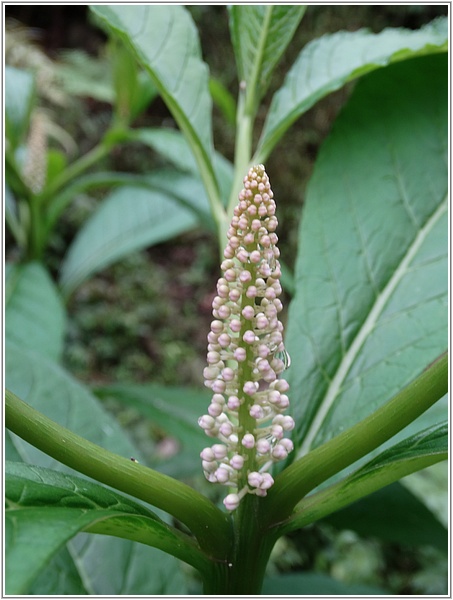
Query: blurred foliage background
[{"x": 146, "y": 318}]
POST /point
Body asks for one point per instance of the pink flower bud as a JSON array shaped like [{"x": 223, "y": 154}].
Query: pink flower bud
[
  {"x": 207, "y": 454},
  {"x": 255, "y": 256},
  {"x": 218, "y": 386},
  {"x": 233, "y": 403},
  {"x": 234, "y": 295},
  {"x": 251, "y": 291},
  {"x": 249, "y": 337},
  {"x": 248, "y": 441},
  {"x": 235, "y": 325},
  {"x": 248, "y": 312},
  {"x": 267, "y": 481},
  {"x": 288, "y": 423},
  {"x": 255, "y": 479},
  {"x": 240, "y": 354},
  {"x": 224, "y": 340},
  {"x": 206, "y": 422},
  {"x": 222, "y": 475},
  {"x": 231, "y": 502},
  {"x": 217, "y": 326},
  {"x": 226, "y": 429},
  {"x": 210, "y": 372},
  {"x": 215, "y": 409},
  {"x": 256, "y": 411},
  {"x": 250, "y": 387},
  {"x": 245, "y": 276},
  {"x": 213, "y": 358},
  {"x": 208, "y": 466},
  {"x": 237, "y": 462}
]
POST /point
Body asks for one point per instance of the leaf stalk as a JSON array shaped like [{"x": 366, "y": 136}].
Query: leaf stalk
[{"x": 210, "y": 525}]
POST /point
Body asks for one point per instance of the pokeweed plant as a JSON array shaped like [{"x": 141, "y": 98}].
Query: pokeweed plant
[{"x": 363, "y": 362}]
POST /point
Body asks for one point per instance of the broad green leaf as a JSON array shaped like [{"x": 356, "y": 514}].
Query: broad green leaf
[
  {"x": 326, "y": 64},
  {"x": 371, "y": 277},
  {"x": 183, "y": 188},
  {"x": 29, "y": 486},
  {"x": 32, "y": 537},
  {"x": 395, "y": 515},
  {"x": 148, "y": 571},
  {"x": 34, "y": 311},
  {"x": 140, "y": 570},
  {"x": 19, "y": 99},
  {"x": 51, "y": 390},
  {"x": 59, "y": 577},
  {"x": 52, "y": 506},
  {"x": 165, "y": 41},
  {"x": 169, "y": 143},
  {"x": 260, "y": 35},
  {"x": 315, "y": 584},
  {"x": 172, "y": 145},
  {"x": 176, "y": 411},
  {"x": 129, "y": 219}
]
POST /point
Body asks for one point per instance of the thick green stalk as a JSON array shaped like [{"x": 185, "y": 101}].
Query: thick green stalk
[
  {"x": 357, "y": 441},
  {"x": 323, "y": 503},
  {"x": 242, "y": 153},
  {"x": 36, "y": 237},
  {"x": 243, "y": 573},
  {"x": 211, "y": 526}
]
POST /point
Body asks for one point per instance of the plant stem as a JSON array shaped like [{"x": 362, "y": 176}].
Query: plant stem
[
  {"x": 211, "y": 526},
  {"x": 243, "y": 573},
  {"x": 323, "y": 503},
  {"x": 75, "y": 169},
  {"x": 338, "y": 453},
  {"x": 36, "y": 239},
  {"x": 242, "y": 152}
]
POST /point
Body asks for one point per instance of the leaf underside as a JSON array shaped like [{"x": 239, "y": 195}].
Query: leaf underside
[{"x": 35, "y": 315}]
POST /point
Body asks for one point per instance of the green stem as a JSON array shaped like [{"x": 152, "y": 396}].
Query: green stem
[
  {"x": 252, "y": 548},
  {"x": 75, "y": 169},
  {"x": 210, "y": 525},
  {"x": 36, "y": 237},
  {"x": 243, "y": 573},
  {"x": 351, "y": 489},
  {"x": 321, "y": 463},
  {"x": 242, "y": 152}
]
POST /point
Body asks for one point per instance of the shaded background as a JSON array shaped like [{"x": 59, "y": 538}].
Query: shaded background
[{"x": 146, "y": 318}]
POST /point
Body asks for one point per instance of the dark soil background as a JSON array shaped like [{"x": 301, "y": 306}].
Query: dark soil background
[{"x": 146, "y": 318}]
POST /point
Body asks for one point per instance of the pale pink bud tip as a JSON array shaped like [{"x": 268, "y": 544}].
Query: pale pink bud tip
[
  {"x": 231, "y": 502},
  {"x": 248, "y": 441}
]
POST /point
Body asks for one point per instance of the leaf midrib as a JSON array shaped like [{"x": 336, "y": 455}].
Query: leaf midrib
[{"x": 368, "y": 325}]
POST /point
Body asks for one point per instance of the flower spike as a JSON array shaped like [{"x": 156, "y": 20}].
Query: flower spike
[{"x": 246, "y": 354}]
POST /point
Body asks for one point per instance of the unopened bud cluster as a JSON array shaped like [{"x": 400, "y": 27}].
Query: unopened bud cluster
[
  {"x": 246, "y": 354},
  {"x": 35, "y": 167}
]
